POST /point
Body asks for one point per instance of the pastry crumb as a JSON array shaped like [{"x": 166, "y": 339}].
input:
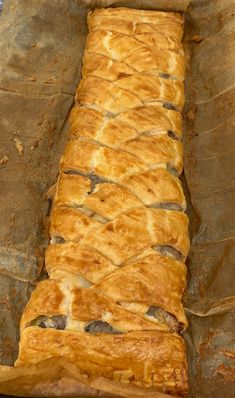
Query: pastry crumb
[
  {"x": 19, "y": 146},
  {"x": 197, "y": 39},
  {"x": 4, "y": 159}
]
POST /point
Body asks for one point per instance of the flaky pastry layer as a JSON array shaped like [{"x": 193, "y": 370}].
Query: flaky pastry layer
[{"x": 150, "y": 359}]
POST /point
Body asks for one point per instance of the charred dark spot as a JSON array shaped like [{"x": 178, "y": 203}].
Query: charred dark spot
[
  {"x": 168, "y": 105},
  {"x": 165, "y": 317},
  {"x": 54, "y": 322},
  {"x": 100, "y": 327}
]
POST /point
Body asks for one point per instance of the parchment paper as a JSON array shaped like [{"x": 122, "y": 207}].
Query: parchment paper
[
  {"x": 41, "y": 49},
  {"x": 209, "y": 171}
]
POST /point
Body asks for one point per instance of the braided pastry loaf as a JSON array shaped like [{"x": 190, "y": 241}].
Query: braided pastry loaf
[{"x": 119, "y": 235}]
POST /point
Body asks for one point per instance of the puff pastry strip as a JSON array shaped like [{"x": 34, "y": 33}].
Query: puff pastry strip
[
  {"x": 155, "y": 188},
  {"x": 136, "y": 55},
  {"x": 145, "y": 88},
  {"x": 140, "y": 284},
  {"x": 72, "y": 259},
  {"x": 130, "y": 92},
  {"x": 149, "y": 44},
  {"x": 112, "y": 131},
  {"x": 55, "y": 305},
  {"x": 134, "y": 22},
  {"x": 137, "y": 155},
  {"x": 125, "y": 236}
]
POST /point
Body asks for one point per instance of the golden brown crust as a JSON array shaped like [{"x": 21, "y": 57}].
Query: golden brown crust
[
  {"x": 107, "y": 310},
  {"x": 132, "y": 232},
  {"x": 156, "y": 150},
  {"x": 57, "y": 376},
  {"x": 77, "y": 223},
  {"x": 146, "y": 88},
  {"x": 154, "y": 280},
  {"x": 101, "y": 66},
  {"x": 129, "y": 390},
  {"x": 153, "y": 88},
  {"x": 134, "y": 156},
  {"x": 136, "y": 22},
  {"x": 49, "y": 300},
  {"x": 84, "y": 162},
  {"x": 152, "y": 359},
  {"x": 94, "y": 125},
  {"x": 119, "y": 239},
  {"x": 156, "y": 188},
  {"x": 105, "y": 96},
  {"x": 85, "y": 122},
  {"x": 104, "y": 162},
  {"x": 71, "y": 189},
  {"x": 111, "y": 200},
  {"x": 153, "y": 119},
  {"x": 138, "y": 56},
  {"x": 147, "y": 43},
  {"x": 71, "y": 258},
  {"x": 112, "y": 307},
  {"x": 161, "y": 281}
]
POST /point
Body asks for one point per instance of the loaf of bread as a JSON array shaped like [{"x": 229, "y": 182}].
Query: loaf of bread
[{"x": 112, "y": 305}]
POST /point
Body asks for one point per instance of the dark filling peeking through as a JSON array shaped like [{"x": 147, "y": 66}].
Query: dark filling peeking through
[
  {"x": 54, "y": 322},
  {"x": 100, "y": 327},
  {"x": 164, "y": 317},
  {"x": 95, "y": 180},
  {"x": 170, "y": 251},
  {"x": 164, "y": 75},
  {"x": 168, "y": 105},
  {"x": 58, "y": 239},
  {"x": 172, "y": 170},
  {"x": 172, "y": 135},
  {"x": 169, "y": 206}
]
